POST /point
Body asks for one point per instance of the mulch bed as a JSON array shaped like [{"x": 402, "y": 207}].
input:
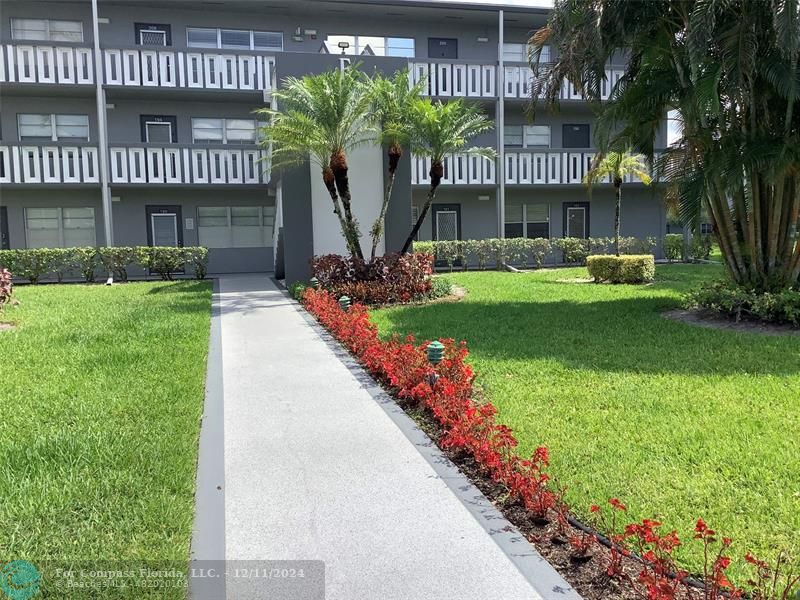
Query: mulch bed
[{"x": 711, "y": 320}]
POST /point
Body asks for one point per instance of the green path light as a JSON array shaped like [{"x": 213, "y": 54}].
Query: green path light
[
  {"x": 344, "y": 302},
  {"x": 435, "y": 352},
  {"x": 314, "y": 282}
]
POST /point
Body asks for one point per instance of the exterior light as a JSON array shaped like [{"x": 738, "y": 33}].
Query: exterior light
[
  {"x": 344, "y": 46},
  {"x": 314, "y": 282},
  {"x": 344, "y": 302},
  {"x": 435, "y": 352}
]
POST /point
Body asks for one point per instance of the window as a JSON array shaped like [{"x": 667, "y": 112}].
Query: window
[
  {"x": 47, "y": 29},
  {"x": 224, "y": 131},
  {"x": 152, "y": 34},
  {"x": 527, "y": 220},
  {"x": 233, "y": 39},
  {"x": 235, "y": 226},
  {"x": 520, "y": 53},
  {"x": 528, "y": 136},
  {"x": 371, "y": 45},
  {"x": 513, "y": 135},
  {"x": 537, "y": 136},
  {"x": 59, "y": 227},
  {"x": 53, "y": 127}
]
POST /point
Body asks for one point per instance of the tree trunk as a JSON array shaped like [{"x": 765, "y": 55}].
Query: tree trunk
[
  {"x": 339, "y": 168},
  {"x": 436, "y": 174},
  {"x": 617, "y": 210},
  {"x": 330, "y": 185},
  {"x": 395, "y": 152}
]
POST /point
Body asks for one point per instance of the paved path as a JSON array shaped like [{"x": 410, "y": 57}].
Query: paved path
[{"x": 318, "y": 466}]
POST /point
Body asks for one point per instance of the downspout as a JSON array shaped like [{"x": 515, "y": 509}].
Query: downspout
[
  {"x": 102, "y": 136},
  {"x": 500, "y": 121}
]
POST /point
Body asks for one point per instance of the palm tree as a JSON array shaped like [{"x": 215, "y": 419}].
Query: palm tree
[
  {"x": 440, "y": 129},
  {"x": 617, "y": 166},
  {"x": 392, "y": 99},
  {"x": 730, "y": 69},
  {"x": 322, "y": 118}
]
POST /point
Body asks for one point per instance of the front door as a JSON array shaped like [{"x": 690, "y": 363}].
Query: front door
[
  {"x": 575, "y": 136},
  {"x": 576, "y": 219},
  {"x": 442, "y": 48},
  {"x": 446, "y": 221},
  {"x": 4, "y": 228},
  {"x": 164, "y": 226}
]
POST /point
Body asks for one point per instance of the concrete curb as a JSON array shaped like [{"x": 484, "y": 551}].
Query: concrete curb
[
  {"x": 208, "y": 535},
  {"x": 539, "y": 573}
]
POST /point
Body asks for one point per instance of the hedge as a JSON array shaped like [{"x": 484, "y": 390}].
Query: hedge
[
  {"x": 732, "y": 301},
  {"x": 622, "y": 269},
  {"x": 35, "y": 263}
]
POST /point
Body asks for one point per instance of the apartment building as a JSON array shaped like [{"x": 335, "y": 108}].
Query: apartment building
[{"x": 131, "y": 123}]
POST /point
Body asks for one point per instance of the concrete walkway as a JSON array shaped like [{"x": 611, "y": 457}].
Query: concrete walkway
[{"x": 319, "y": 465}]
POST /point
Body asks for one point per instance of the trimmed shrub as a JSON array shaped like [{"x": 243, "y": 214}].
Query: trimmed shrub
[
  {"x": 387, "y": 279},
  {"x": 440, "y": 288},
  {"x": 622, "y": 269},
  {"x": 701, "y": 246},
  {"x": 734, "y": 302},
  {"x": 539, "y": 249},
  {"x": 117, "y": 259},
  {"x": 297, "y": 289},
  {"x": 674, "y": 247},
  {"x": 31, "y": 263},
  {"x": 164, "y": 260},
  {"x": 574, "y": 250},
  {"x": 86, "y": 260},
  {"x": 423, "y": 247},
  {"x": 6, "y": 286},
  {"x": 197, "y": 257}
]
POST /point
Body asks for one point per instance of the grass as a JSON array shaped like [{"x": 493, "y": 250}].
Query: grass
[
  {"x": 677, "y": 421},
  {"x": 101, "y": 393}
]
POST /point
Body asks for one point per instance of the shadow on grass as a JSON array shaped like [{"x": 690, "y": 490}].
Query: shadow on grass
[
  {"x": 625, "y": 335},
  {"x": 181, "y": 287}
]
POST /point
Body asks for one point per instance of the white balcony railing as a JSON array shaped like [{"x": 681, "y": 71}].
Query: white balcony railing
[
  {"x": 522, "y": 167},
  {"x": 459, "y": 169},
  {"x": 449, "y": 79},
  {"x": 26, "y": 63},
  {"x": 188, "y": 165},
  {"x": 200, "y": 70},
  {"x": 48, "y": 164}
]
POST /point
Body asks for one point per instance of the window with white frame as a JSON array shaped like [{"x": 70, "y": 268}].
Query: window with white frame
[
  {"x": 59, "y": 227},
  {"x": 370, "y": 45},
  {"x": 537, "y": 136},
  {"x": 527, "y": 136},
  {"x": 527, "y": 220},
  {"x": 53, "y": 127},
  {"x": 235, "y": 226},
  {"x": 47, "y": 29},
  {"x": 224, "y": 131},
  {"x": 233, "y": 39},
  {"x": 520, "y": 53}
]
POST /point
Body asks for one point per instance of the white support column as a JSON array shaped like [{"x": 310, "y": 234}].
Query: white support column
[
  {"x": 500, "y": 123},
  {"x": 102, "y": 137}
]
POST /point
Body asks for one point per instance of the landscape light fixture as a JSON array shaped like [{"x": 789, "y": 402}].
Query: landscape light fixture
[
  {"x": 435, "y": 352},
  {"x": 344, "y": 303}
]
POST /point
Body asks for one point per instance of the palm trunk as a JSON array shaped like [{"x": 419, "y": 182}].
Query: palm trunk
[
  {"x": 395, "y": 152},
  {"x": 618, "y": 191},
  {"x": 339, "y": 168},
  {"x": 436, "y": 174},
  {"x": 330, "y": 185}
]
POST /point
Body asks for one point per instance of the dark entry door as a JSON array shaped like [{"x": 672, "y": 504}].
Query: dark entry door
[
  {"x": 446, "y": 221},
  {"x": 164, "y": 226},
  {"x": 4, "y": 228},
  {"x": 442, "y": 48},
  {"x": 576, "y": 219},
  {"x": 575, "y": 136}
]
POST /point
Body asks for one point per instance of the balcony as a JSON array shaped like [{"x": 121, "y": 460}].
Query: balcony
[
  {"x": 196, "y": 70},
  {"x": 26, "y": 63},
  {"x": 205, "y": 70},
  {"x": 522, "y": 167},
  {"x": 26, "y": 163},
  {"x": 464, "y": 80},
  {"x": 188, "y": 165}
]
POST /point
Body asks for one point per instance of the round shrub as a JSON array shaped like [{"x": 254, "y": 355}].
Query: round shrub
[{"x": 632, "y": 268}]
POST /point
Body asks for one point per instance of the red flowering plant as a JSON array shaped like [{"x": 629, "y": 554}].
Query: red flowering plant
[{"x": 470, "y": 426}]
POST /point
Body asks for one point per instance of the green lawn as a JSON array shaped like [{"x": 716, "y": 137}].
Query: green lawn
[
  {"x": 101, "y": 393},
  {"x": 678, "y": 421}
]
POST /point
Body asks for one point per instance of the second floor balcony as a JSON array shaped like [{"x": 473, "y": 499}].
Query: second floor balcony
[{"x": 137, "y": 67}]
